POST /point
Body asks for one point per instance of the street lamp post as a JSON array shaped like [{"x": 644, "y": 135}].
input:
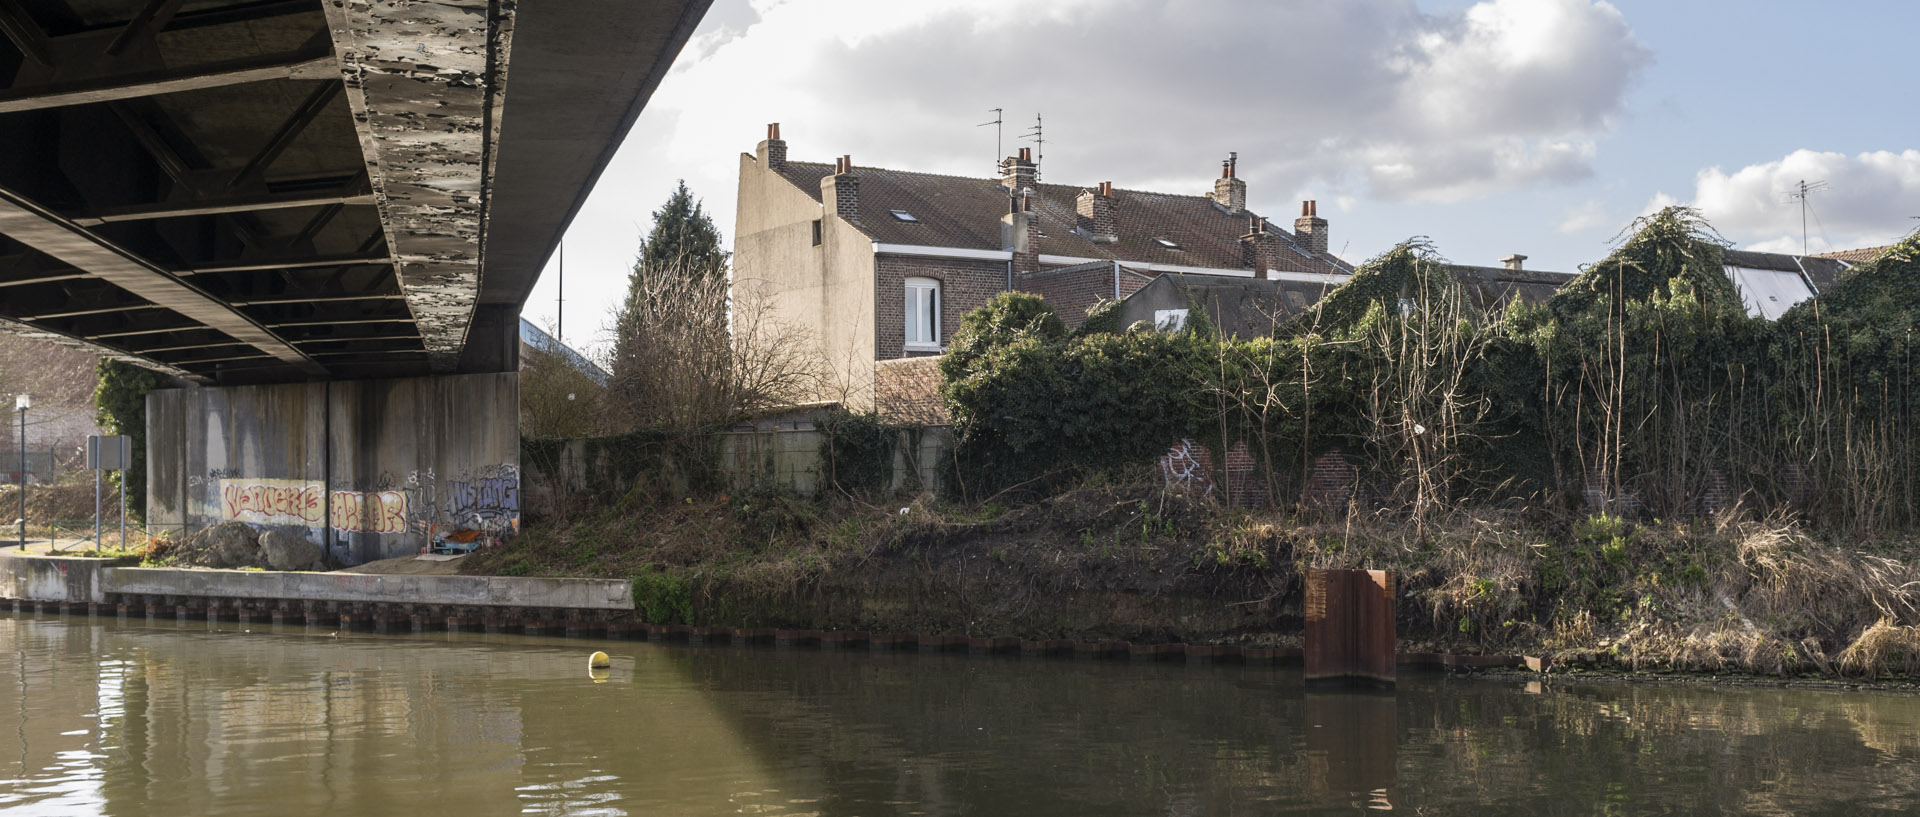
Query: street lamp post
[{"x": 22, "y": 402}]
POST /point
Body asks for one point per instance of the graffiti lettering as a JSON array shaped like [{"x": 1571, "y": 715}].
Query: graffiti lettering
[
  {"x": 488, "y": 504},
  {"x": 271, "y": 501},
  {"x": 1184, "y": 468},
  {"x": 368, "y": 511}
]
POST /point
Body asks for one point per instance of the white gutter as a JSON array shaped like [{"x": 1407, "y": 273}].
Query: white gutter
[
  {"x": 1069, "y": 260},
  {"x": 1314, "y": 277},
  {"x": 941, "y": 252}
]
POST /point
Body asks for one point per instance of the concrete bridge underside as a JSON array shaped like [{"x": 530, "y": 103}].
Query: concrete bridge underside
[{"x": 259, "y": 191}]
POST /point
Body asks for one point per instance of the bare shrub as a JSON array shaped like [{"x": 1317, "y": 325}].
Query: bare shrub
[{"x": 690, "y": 355}]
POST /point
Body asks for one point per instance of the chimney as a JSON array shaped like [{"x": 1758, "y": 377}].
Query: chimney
[
  {"x": 841, "y": 190},
  {"x": 1018, "y": 236},
  {"x": 1229, "y": 191},
  {"x": 1513, "y": 261},
  {"x": 1017, "y": 172},
  {"x": 1310, "y": 229},
  {"x": 773, "y": 151},
  {"x": 1096, "y": 220},
  {"x": 1260, "y": 247}
]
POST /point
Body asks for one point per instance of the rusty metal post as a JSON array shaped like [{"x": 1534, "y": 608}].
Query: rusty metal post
[{"x": 1350, "y": 627}]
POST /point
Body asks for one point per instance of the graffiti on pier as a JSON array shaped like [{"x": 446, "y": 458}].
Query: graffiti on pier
[
  {"x": 272, "y": 501},
  {"x": 490, "y": 501},
  {"x": 368, "y": 511},
  {"x": 1185, "y": 468}
]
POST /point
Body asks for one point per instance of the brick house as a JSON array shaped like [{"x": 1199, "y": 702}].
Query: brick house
[{"x": 880, "y": 265}]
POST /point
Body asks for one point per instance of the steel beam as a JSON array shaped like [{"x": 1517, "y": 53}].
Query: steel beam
[
  {"x": 316, "y": 299},
  {"x": 32, "y": 225},
  {"x": 46, "y": 279},
  {"x": 217, "y": 206},
  {"x": 76, "y": 313},
  {"x": 347, "y": 322},
  {"x": 307, "y": 63},
  {"x": 25, "y": 33},
  {"x": 288, "y": 263},
  {"x": 288, "y": 131}
]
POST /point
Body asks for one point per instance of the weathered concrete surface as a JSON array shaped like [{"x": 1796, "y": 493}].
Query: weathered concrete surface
[
  {"x": 363, "y": 469},
  {"x": 426, "y": 83},
  {"x": 491, "y": 591},
  {"x": 411, "y": 456},
  {"x": 254, "y": 454},
  {"x": 36, "y": 577}
]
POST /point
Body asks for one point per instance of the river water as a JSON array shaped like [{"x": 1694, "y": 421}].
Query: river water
[{"x": 126, "y": 718}]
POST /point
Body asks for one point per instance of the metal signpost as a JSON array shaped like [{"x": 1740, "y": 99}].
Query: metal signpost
[
  {"x": 105, "y": 454},
  {"x": 22, "y": 402}
]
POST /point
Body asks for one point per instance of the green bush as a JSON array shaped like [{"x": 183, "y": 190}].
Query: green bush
[
  {"x": 120, "y": 401},
  {"x": 662, "y": 597},
  {"x": 856, "y": 449}
]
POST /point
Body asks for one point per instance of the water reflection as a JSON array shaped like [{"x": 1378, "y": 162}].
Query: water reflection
[{"x": 174, "y": 720}]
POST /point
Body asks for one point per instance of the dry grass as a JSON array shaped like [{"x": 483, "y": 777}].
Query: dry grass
[{"x": 1886, "y": 648}]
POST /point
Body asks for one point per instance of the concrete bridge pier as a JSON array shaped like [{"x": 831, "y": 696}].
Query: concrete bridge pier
[{"x": 363, "y": 469}]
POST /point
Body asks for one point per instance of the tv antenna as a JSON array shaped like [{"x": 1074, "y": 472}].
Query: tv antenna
[
  {"x": 1039, "y": 137},
  {"x": 560, "y": 300},
  {"x": 1802, "y": 192},
  {"x": 997, "y": 119}
]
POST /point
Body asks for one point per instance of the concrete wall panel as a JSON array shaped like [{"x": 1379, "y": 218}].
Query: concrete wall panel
[
  {"x": 367, "y": 469},
  {"x": 419, "y": 456}
]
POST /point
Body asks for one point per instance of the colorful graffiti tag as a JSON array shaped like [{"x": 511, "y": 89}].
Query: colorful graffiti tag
[
  {"x": 368, "y": 511},
  {"x": 488, "y": 502},
  {"x": 272, "y": 501}
]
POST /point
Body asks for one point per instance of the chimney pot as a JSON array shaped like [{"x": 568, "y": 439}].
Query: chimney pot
[
  {"x": 1310, "y": 230},
  {"x": 1229, "y": 192},
  {"x": 1514, "y": 261},
  {"x": 772, "y": 151},
  {"x": 1096, "y": 214}
]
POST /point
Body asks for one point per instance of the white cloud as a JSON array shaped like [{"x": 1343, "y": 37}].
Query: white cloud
[
  {"x": 1587, "y": 216},
  {"x": 1869, "y": 199},
  {"x": 1360, "y": 98}
]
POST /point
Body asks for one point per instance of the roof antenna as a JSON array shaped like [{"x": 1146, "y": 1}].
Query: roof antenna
[
  {"x": 1800, "y": 192},
  {"x": 996, "y": 138},
  {"x": 1038, "y": 135}
]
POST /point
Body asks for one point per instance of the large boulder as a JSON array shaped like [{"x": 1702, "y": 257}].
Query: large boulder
[
  {"x": 228, "y": 544},
  {"x": 288, "y": 552}
]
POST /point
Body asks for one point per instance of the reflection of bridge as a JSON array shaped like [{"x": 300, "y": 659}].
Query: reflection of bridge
[
  {"x": 268, "y": 190},
  {"x": 311, "y": 205}
]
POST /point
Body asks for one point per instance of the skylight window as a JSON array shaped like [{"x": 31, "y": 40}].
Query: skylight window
[
  {"x": 1166, "y": 242},
  {"x": 903, "y": 215}
]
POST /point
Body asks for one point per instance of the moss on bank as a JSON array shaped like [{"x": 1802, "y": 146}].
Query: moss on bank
[{"x": 1128, "y": 561}]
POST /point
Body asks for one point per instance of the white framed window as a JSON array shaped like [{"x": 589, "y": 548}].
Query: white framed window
[
  {"x": 923, "y": 315},
  {"x": 1169, "y": 320}
]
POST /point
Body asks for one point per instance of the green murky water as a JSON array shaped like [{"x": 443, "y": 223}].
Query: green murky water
[{"x": 104, "y": 717}]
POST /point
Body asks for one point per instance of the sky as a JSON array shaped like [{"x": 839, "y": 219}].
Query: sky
[{"x": 1539, "y": 127}]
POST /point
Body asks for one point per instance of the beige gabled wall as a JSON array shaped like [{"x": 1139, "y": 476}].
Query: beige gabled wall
[{"x": 825, "y": 292}]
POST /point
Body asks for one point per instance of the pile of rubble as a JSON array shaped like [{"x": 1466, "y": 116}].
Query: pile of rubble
[{"x": 236, "y": 545}]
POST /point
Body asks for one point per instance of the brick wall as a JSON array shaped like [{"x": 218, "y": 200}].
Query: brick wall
[
  {"x": 1330, "y": 482},
  {"x": 1190, "y": 466},
  {"x": 907, "y": 390},
  {"x": 964, "y": 286},
  {"x": 1070, "y": 290}
]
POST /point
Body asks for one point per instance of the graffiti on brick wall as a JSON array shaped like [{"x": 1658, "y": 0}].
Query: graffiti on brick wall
[
  {"x": 1184, "y": 468},
  {"x": 489, "y": 500},
  {"x": 368, "y": 511},
  {"x": 272, "y": 501}
]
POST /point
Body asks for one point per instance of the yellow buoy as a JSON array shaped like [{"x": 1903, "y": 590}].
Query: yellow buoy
[{"x": 599, "y": 660}]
